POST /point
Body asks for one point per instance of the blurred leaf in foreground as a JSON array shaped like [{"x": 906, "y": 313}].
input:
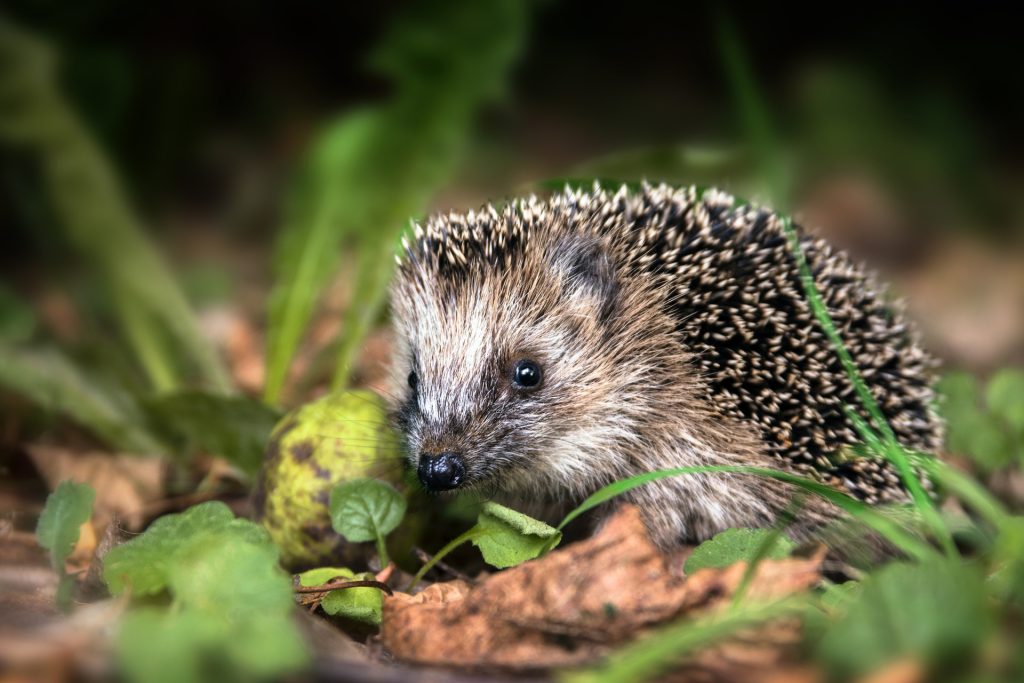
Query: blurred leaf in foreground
[
  {"x": 231, "y": 622},
  {"x": 936, "y": 612},
  {"x": 231, "y": 603},
  {"x": 66, "y": 510},
  {"x": 52, "y": 381},
  {"x": 235, "y": 428},
  {"x": 97, "y": 217},
  {"x": 1005, "y": 397},
  {"x": 373, "y": 170},
  {"x": 985, "y": 422},
  {"x": 147, "y": 562}
]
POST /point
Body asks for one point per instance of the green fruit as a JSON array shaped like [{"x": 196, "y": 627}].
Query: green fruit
[{"x": 336, "y": 438}]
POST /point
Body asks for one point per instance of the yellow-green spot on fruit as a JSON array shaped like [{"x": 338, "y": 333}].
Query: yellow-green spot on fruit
[{"x": 337, "y": 438}]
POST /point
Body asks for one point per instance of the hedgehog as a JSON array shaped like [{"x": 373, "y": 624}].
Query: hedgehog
[{"x": 554, "y": 345}]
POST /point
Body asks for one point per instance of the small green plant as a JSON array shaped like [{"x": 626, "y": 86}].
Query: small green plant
[
  {"x": 218, "y": 607},
  {"x": 504, "y": 536},
  {"x": 367, "y": 510},
  {"x": 66, "y": 510},
  {"x": 359, "y": 604}
]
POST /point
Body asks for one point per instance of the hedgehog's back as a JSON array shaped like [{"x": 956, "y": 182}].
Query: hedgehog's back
[{"x": 742, "y": 310}]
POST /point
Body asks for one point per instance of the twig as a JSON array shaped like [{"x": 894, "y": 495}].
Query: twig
[
  {"x": 425, "y": 557},
  {"x": 334, "y": 585}
]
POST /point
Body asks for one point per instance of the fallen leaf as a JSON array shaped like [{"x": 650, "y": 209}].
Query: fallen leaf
[
  {"x": 572, "y": 605},
  {"x": 124, "y": 484}
]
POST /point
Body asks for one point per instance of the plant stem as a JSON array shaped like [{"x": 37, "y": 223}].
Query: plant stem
[
  {"x": 382, "y": 551},
  {"x": 469, "y": 535}
]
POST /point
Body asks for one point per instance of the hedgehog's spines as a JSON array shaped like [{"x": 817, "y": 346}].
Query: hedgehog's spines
[{"x": 726, "y": 272}]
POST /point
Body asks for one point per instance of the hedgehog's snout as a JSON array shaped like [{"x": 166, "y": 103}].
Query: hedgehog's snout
[{"x": 441, "y": 471}]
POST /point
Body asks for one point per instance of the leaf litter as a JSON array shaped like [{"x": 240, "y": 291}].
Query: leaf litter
[{"x": 574, "y": 605}]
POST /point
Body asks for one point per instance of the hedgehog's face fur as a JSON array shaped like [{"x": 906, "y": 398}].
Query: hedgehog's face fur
[{"x": 511, "y": 375}]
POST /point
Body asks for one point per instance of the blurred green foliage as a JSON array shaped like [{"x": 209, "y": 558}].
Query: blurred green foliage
[
  {"x": 937, "y": 613},
  {"x": 366, "y": 174},
  {"x": 374, "y": 169},
  {"x": 235, "y": 427},
  {"x": 97, "y": 217},
  {"x": 58, "y": 385},
  {"x": 66, "y": 510},
  {"x": 985, "y": 421},
  {"x": 230, "y": 615}
]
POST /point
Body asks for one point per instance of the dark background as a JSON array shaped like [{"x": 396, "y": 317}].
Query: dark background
[{"x": 901, "y": 123}]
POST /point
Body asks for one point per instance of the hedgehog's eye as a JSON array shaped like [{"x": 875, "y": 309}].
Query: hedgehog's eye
[
  {"x": 526, "y": 374},
  {"x": 413, "y": 380}
]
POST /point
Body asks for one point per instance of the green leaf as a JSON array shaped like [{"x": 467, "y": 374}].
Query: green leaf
[
  {"x": 145, "y": 563},
  {"x": 52, "y": 381},
  {"x": 359, "y": 604},
  {"x": 936, "y": 612},
  {"x": 236, "y": 428},
  {"x": 736, "y": 545},
  {"x": 366, "y": 509},
  {"x": 959, "y": 393},
  {"x": 155, "y": 646},
  {"x": 321, "y": 575},
  {"x": 1005, "y": 397},
  {"x": 231, "y": 602},
  {"x": 231, "y": 618},
  {"x": 1008, "y": 559},
  {"x": 66, "y": 510},
  {"x": 509, "y": 538}
]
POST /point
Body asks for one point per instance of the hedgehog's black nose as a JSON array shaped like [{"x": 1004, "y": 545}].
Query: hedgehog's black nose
[{"x": 441, "y": 472}]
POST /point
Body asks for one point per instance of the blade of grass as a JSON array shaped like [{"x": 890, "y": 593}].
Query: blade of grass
[
  {"x": 967, "y": 490},
  {"x": 52, "y": 381},
  {"x": 764, "y": 548},
  {"x": 862, "y": 512},
  {"x": 465, "y": 537},
  {"x": 658, "y": 652},
  {"x": 384, "y": 166},
  {"x": 96, "y": 216}
]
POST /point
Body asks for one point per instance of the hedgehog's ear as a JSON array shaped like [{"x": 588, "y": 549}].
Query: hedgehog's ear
[{"x": 586, "y": 271}]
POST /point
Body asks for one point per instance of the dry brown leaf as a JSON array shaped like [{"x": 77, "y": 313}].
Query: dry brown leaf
[
  {"x": 570, "y": 606},
  {"x": 124, "y": 484}
]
